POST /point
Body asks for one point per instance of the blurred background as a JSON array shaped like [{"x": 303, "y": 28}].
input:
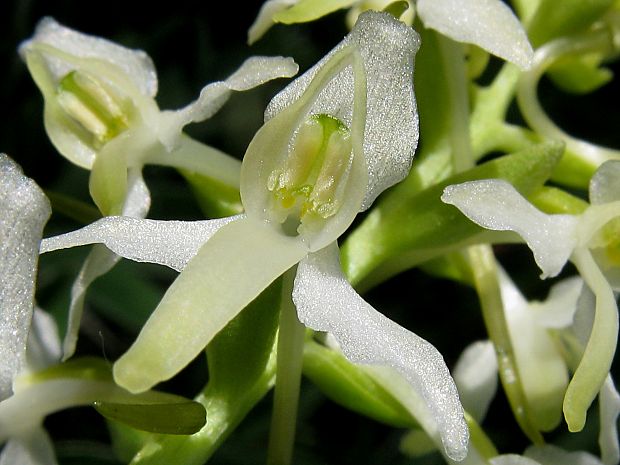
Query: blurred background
[{"x": 192, "y": 46}]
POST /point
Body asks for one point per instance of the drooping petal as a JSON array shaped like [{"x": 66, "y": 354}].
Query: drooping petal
[
  {"x": 252, "y": 73},
  {"x": 495, "y": 204},
  {"x": 553, "y": 455},
  {"x": 227, "y": 273},
  {"x": 387, "y": 48},
  {"x": 264, "y": 20},
  {"x": 32, "y": 448},
  {"x": 54, "y": 52},
  {"x": 542, "y": 370},
  {"x": 326, "y": 301},
  {"x": 169, "y": 243},
  {"x": 24, "y": 210},
  {"x": 489, "y": 24},
  {"x": 609, "y": 409},
  {"x": 605, "y": 183},
  {"x": 475, "y": 375}
]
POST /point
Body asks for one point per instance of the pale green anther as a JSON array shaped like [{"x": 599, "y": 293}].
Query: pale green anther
[
  {"x": 307, "y": 185},
  {"x": 93, "y": 106}
]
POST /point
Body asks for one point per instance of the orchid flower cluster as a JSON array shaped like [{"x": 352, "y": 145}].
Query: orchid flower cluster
[{"x": 394, "y": 152}]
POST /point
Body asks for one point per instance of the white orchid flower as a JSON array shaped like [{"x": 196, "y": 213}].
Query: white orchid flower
[
  {"x": 333, "y": 140},
  {"x": 489, "y": 24},
  {"x": 100, "y": 113},
  {"x": 24, "y": 210},
  {"x": 589, "y": 240}
]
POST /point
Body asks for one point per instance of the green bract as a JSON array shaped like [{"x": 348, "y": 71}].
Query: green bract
[{"x": 332, "y": 141}]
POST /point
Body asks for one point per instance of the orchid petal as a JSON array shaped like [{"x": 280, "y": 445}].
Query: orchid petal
[
  {"x": 25, "y": 210},
  {"x": 475, "y": 375},
  {"x": 553, "y": 455},
  {"x": 489, "y": 24},
  {"x": 559, "y": 309},
  {"x": 495, "y": 204},
  {"x": 169, "y": 243},
  {"x": 605, "y": 183},
  {"x": 55, "y": 51},
  {"x": 512, "y": 459},
  {"x": 609, "y": 409},
  {"x": 264, "y": 20},
  {"x": 226, "y": 274},
  {"x": 304, "y": 11},
  {"x": 31, "y": 448},
  {"x": 326, "y": 301},
  {"x": 542, "y": 370},
  {"x": 387, "y": 48},
  {"x": 43, "y": 347},
  {"x": 252, "y": 73}
]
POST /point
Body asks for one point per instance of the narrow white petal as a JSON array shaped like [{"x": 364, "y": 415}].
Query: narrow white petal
[
  {"x": 489, "y": 24},
  {"x": 387, "y": 47},
  {"x": 168, "y": 243},
  {"x": 475, "y": 375},
  {"x": 135, "y": 64},
  {"x": 609, "y": 409},
  {"x": 228, "y": 272},
  {"x": 553, "y": 455},
  {"x": 605, "y": 184},
  {"x": 495, "y": 204},
  {"x": 32, "y": 448},
  {"x": 542, "y": 370},
  {"x": 24, "y": 210},
  {"x": 264, "y": 20},
  {"x": 43, "y": 342},
  {"x": 252, "y": 73},
  {"x": 326, "y": 301}
]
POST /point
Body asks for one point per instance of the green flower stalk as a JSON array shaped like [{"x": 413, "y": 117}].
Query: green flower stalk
[{"x": 333, "y": 140}]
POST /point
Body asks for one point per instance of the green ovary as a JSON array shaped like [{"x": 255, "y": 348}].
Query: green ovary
[
  {"x": 94, "y": 107},
  {"x": 307, "y": 187}
]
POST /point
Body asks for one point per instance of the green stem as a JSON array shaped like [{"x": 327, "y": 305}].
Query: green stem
[
  {"x": 484, "y": 271},
  {"x": 288, "y": 378}
]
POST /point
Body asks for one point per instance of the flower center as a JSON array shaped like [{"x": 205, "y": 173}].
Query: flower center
[
  {"x": 95, "y": 108},
  {"x": 306, "y": 189}
]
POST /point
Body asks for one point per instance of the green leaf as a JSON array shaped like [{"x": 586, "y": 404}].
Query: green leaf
[
  {"x": 350, "y": 386},
  {"x": 215, "y": 198},
  {"x": 242, "y": 370},
  {"x": 185, "y": 417},
  {"x": 555, "y": 18},
  {"x": 407, "y": 227}
]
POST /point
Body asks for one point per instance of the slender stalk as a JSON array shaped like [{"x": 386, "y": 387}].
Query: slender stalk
[{"x": 288, "y": 378}]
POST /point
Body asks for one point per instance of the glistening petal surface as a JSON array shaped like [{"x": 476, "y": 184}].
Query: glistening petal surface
[
  {"x": 24, "y": 210},
  {"x": 228, "y": 272},
  {"x": 489, "y": 24},
  {"x": 387, "y": 48},
  {"x": 326, "y": 301},
  {"x": 495, "y": 204}
]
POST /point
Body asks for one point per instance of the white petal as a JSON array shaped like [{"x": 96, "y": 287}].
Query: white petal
[
  {"x": 228, "y": 272},
  {"x": 609, "y": 409},
  {"x": 553, "y": 455},
  {"x": 136, "y": 65},
  {"x": 559, "y": 309},
  {"x": 495, "y": 204},
  {"x": 252, "y": 73},
  {"x": 475, "y": 375},
  {"x": 43, "y": 342},
  {"x": 605, "y": 183},
  {"x": 542, "y": 370},
  {"x": 138, "y": 200},
  {"x": 489, "y": 24},
  {"x": 264, "y": 20},
  {"x": 387, "y": 47},
  {"x": 24, "y": 210},
  {"x": 326, "y": 301},
  {"x": 512, "y": 459},
  {"x": 32, "y": 448},
  {"x": 168, "y": 243}
]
